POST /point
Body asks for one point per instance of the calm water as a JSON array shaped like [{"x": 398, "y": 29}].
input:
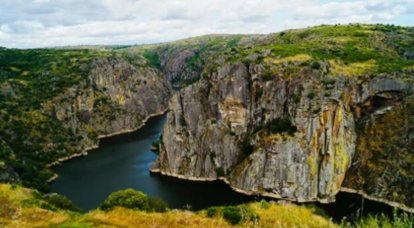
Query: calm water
[{"x": 123, "y": 162}]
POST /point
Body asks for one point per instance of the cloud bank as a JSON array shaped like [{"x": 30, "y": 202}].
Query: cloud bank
[{"x": 46, "y": 23}]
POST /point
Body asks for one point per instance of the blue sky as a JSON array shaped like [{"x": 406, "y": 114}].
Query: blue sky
[{"x": 46, "y": 23}]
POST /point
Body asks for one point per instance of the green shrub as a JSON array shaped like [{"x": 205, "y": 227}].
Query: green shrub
[
  {"x": 153, "y": 58},
  {"x": 259, "y": 92},
  {"x": 219, "y": 171},
  {"x": 247, "y": 148},
  {"x": 264, "y": 204},
  {"x": 399, "y": 220},
  {"x": 232, "y": 214},
  {"x": 316, "y": 65},
  {"x": 61, "y": 202},
  {"x": 128, "y": 198},
  {"x": 311, "y": 95},
  {"x": 281, "y": 125},
  {"x": 212, "y": 211},
  {"x": 317, "y": 210},
  {"x": 402, "y": 220},
  {"x": 157, "y": 204},
  {"x": 296, "y": 98},
  {"x": 268, "y": 75}
]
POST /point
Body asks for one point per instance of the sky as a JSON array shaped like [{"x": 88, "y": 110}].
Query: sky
[{"x": 49, "y": 23}]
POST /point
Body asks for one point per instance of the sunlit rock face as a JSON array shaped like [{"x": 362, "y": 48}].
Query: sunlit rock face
[
  {"x": 116, "y": 98},
  {"x": 285, "y": 137}
]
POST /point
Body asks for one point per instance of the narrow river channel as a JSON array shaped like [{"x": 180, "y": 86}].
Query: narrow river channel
[{"x": 123, "y": 161}]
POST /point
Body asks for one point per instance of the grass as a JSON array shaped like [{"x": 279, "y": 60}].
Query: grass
[
  {"x": 372, "y": 221},
  {"x": 338, "y": 68},
  {"x": 295, "y": 58},
  {"x": 348, "y": 44},
  {"x": 18, "y": 214},
  {"x": 15, "y": 212}
]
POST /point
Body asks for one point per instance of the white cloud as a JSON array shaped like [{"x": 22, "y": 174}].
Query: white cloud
[{"x": 40, "y": 23}]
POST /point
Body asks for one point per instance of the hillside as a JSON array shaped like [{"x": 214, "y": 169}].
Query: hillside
[
  {"x": 297, "y": 115},
  {"x": 57, "y": 103},
  {"x": 27, "y": 208},
  {"x": 300, "y": 114}
]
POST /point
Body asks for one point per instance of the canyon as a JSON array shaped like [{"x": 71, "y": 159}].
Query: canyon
[{"x": 298, "y": 115}]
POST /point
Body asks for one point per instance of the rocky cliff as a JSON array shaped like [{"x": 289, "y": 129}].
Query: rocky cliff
[
  {"x": 299, "y": 114},
  {"x": 116, "y": 98},
  {"x": 56, "y": 104},
  {"x": 236, "y": 125},
  {"x": 291, "y": 121},
  {"x": 183, "y": 62}
]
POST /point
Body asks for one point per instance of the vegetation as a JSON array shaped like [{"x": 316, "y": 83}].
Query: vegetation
[
  {"x": 385, "y": 153},
  {"x": 153, "y": 58},
  {"x": 31, "y": 137},
  {"x": 278, "y": 126},
  {"x": 22, "y": 207},
  {"x": 157, "y": 204},
  {"x": 403, "y": 220},
  {"x": 132, "y": 199},
  {"x": 14, "y": 212},
  {"x": 351, "y": 50},
  {"x": 61, "y": 202},
  {"x": 28, "y": 80},
  {"x": 234, "y": 214}
]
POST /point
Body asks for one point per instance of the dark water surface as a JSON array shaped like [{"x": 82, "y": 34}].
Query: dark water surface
[{"x": 123, "y": 162}]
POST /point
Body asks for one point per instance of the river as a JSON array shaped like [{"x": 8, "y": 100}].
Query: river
[{"x": 123, "y": 161}]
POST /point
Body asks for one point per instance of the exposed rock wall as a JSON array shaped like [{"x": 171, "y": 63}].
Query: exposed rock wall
[
  {"x": 230, "y": 125},
  {"x": 384, "y": 163},
  {"x": 116, "y": 98}
]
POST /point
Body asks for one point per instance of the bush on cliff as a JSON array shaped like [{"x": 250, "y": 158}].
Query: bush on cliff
[
  {"x": 128, "y": 198},
  {"x": 61, "y": 202},
  {"x": 157, "y": 204},
  {"x": 234, "y": 214},
  {"x": 132, "y": 199}
]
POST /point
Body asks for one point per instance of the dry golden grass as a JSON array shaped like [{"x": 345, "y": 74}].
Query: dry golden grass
[
  {"x": 273, "y": 216},
  {"x": 296, "y": 58},
  {"x": 289, "y": 216},
  {"x": 13, "y": 213},
  {"x": 354, "y": 69},
  {"x": 35, "y": 217},
  {"x": 128, "y": 218}
]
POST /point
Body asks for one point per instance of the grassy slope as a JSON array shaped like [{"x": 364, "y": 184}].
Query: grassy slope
[
  {"x": 350, "y": 50},
  {"x": 382, "y": 46},
  {"x": 21, "y": 207}
]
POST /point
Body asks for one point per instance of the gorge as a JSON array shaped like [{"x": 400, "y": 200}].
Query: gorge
[{"x": 298, "y": 115}]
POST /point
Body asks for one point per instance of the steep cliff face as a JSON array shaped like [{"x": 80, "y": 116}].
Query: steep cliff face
[
  {"x": 183, "y": 62},
  {"x": 383, "y": 165},
  {"x": 279, "y": 136},
  {"x": 295, "y": 115},
  {"x": 56, "y": 104},
  {"x": 116, "y": 98}
]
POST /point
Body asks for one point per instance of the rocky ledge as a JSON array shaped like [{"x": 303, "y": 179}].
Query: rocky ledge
[{"x": 276, "y": 135}]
